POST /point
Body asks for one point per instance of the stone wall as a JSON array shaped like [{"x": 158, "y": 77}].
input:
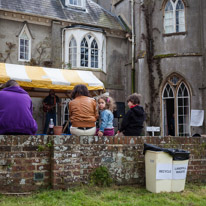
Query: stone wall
[{"x": 28, "y": 163}]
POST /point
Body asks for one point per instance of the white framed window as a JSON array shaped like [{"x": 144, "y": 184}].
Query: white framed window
[
  {"x": 88, "y": 51},
  {"x": 84, "y": 53},
  {"x": 176, "y": 107},
  {"x": 24, "y": 53},
  {"x": 76, "y": 3},
  {"x": 174, "y": 16},
  {"x": 183, "y": 111},
  {"x": 73, "y": 52},
  {"x": 94, "y": 54}
]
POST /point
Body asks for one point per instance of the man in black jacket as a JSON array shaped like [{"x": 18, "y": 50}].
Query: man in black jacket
[{"x": 49, "y": 106}]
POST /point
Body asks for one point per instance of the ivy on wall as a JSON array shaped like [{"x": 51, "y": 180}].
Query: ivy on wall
[
  {"x": 10, "y": 48},
  {"x": 152, "y": 63},
  {"x": 42, "y": 54}
]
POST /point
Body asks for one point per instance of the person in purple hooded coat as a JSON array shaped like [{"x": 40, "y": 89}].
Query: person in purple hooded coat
[{"x": 16, "y": 111}]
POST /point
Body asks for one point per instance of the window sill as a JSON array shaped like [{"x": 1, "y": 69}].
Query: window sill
[
  {"x": 175, "y": 34},
  {"x": 24, "y": 60},
  {"x": 85, "y": 69}
]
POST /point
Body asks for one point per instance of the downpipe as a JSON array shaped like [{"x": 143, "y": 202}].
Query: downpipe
[{"x": 133, "y": 47}]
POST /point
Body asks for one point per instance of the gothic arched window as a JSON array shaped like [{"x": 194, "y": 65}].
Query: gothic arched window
[
  {"x": 84, "y": 53},
  {"x": 176, "y": 107},
  {"x": 183, "y": 110},
  {"x": 25, "y": 44},
  {"x": 174, "y": 16},
  {"x": 89, "y": 52},
  {"x": 84, "y": 49},
  {"x": 94, "y": 54}
]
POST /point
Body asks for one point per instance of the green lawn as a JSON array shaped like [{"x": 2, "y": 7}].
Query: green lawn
[{"x": 112, "y": 196}]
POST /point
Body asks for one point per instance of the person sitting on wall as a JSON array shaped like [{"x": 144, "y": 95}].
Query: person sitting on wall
[
  {"x": 16, "y": 111},
  {"x": 82, "y": 112},
  {"x": 132, "y": 122},
  {"x": 49, "y": 106}
]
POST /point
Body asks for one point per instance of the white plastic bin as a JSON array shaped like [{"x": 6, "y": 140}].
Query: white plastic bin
[
  {"x": 179, "y": 173},
  {"x": 163, "y": 174},
  {"x": 158, "y": 168}
]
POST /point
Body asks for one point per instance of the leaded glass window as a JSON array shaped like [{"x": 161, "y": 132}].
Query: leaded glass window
[
  {"x": 174, "y": 19},
  {"x": 168, "y": 20},
  {"x": 94, "y": 54},
  {"x": 176, "y": 105},
  {"x": 84, "y": 49},
  {"x": 84, "y": 53},
  {"x": 180, "y": 17},
  {"x": 24, "y": 45},
  {"x": 174, "y": 80},
  {"x": 183, "y": 110},
  {"x": 89, "y": 52},
  {"x": 168, "y": 93}
]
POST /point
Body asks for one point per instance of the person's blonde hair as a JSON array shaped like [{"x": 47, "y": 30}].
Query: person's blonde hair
[{"x": 110, "y": 103}]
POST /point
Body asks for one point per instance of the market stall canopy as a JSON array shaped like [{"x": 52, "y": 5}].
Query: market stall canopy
[{"x": 38, "y": 79}]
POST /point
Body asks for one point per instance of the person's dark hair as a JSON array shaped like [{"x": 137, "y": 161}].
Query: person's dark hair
[
  {"x": 196, "y": 135},
  {"x": 51, "y": 92},
  {"x": 11, "y": 83},
  {"x": 79, "y": 90},
  {"x": 134, "y": 98}
]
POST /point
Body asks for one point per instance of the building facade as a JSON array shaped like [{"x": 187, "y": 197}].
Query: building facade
[
  {"x": 169, "y": 58},
  {"x": 67, "y": 34},
  {"x": 152, "y": 47}
]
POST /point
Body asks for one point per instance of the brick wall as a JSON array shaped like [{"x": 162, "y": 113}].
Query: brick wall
[
  {"x": 24, "y": 163},
  {"x": 28, "y": 163}
]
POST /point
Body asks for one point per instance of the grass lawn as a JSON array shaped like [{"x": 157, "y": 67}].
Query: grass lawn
[{"x": 193, "y": 195}]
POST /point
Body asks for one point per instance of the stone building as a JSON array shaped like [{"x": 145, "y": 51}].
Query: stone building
[
  {"x": 169, "y": 56},
  {"x": 153, "y": 47},
  {"x": 67, "y": 34}
]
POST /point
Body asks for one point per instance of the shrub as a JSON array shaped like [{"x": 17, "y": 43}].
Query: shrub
[{"x": 101, "y": 177}]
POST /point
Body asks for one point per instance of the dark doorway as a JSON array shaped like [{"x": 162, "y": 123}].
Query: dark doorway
[{"x": 170, "y": 117}]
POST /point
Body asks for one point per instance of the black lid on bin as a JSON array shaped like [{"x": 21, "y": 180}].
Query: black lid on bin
[
  {"x": 177, "y": 154},
  {"x": 151, "y": 147}
]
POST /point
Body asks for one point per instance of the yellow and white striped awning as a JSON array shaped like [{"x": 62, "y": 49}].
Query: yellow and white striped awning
[{"x": 48, "y": 78}]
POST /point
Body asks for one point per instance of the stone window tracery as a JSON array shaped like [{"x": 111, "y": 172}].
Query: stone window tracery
[
  {"x": 176, "y": 106},
  {"x": 85, "y": 49}
]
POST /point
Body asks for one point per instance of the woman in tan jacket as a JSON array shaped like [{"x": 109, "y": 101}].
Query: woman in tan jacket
[{"x": 82, "y": 112}]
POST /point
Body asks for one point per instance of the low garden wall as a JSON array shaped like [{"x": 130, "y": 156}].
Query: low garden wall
[{"x": 28, "y": 163}]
